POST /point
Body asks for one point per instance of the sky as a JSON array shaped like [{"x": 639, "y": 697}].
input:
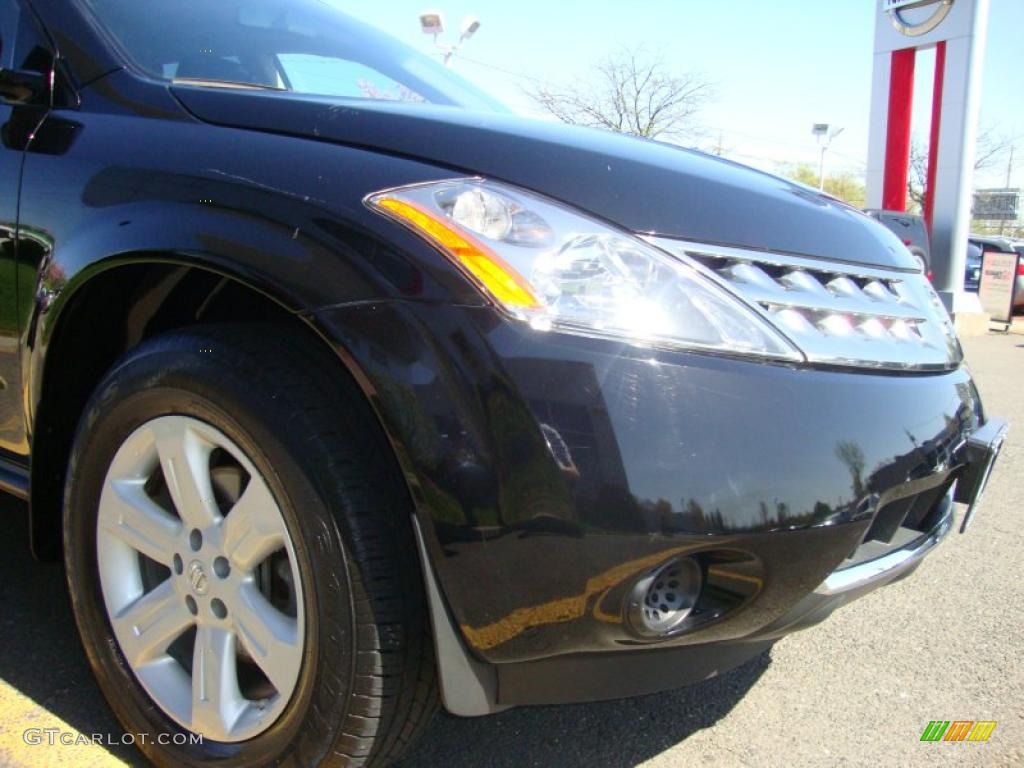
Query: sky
[{"x": 777, "y": 67}]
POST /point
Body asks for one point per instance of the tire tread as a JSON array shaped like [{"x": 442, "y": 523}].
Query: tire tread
[{"x": 393, "y": 691}]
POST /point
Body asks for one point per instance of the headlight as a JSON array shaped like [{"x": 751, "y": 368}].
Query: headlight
[{"x": 559, "y": 269}]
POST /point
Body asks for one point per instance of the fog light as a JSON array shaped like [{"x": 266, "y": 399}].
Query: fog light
[{"x": 663, "y": 599}]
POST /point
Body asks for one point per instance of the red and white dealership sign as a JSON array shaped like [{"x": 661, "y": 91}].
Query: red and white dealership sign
[{"x": 956, "y": 30}]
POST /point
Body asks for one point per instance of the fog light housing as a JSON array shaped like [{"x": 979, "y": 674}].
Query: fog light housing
[{"x": 661, "y": 601}]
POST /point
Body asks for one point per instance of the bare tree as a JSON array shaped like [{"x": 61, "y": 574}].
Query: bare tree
[
  {"x": 634, "y": 92},
  {"x": 396, "y": 92},
  {"x": 848, "y": 452},
  {"x": 917, "y": 182},
  {"x": 992, "y": 146}
]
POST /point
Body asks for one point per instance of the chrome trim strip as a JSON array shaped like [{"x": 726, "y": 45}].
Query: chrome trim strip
[
  {"x": 886, "y": 568},
  {"x": 844, "y": 306},
  {"x": 777, "y": 259}
]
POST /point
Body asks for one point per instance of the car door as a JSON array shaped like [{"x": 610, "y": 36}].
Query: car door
[{"x": 22, "y": 49}]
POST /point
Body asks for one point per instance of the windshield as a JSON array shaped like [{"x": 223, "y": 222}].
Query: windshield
[{"x": 302, "y": 46}]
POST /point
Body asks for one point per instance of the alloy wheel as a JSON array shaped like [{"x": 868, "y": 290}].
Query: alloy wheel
[{"x": 199, "y": 578}]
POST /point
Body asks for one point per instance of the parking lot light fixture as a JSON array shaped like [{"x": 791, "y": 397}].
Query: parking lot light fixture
[{"x": 432, "y": 23}]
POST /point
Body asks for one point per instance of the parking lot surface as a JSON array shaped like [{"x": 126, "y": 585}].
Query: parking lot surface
[{"x": 860, "y": 689}]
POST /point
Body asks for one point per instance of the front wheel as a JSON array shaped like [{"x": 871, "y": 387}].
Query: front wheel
[{"x": 240, "y": 557}]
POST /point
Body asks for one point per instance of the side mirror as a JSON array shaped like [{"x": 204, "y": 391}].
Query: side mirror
[{"x": 22, "y": 86}]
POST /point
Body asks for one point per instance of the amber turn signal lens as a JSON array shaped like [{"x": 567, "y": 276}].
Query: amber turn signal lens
[{"x": 502, "y": 281}]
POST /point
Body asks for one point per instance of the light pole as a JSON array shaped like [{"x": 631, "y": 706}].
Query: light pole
[
  {"x": 1009, "y": 178},
  {"x": 432, "y": 23},
  {"x": 824, "y": 135}
]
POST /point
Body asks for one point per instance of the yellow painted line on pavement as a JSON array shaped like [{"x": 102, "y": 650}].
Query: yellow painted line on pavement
[{"x": 19, "y": 713}]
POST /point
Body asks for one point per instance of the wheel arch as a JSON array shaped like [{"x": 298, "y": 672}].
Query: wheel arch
[
  {"x": 119, "y": 302},
  {"x": 78, "y": 330}
]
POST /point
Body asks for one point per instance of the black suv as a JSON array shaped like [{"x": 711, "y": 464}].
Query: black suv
[{"x": 342, "y": 392}]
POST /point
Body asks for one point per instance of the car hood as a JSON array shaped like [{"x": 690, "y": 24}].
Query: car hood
[{"x": 645, "y": 186}]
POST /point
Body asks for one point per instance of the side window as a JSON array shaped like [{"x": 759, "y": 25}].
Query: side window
[
  {"x": 8, "y": 24},
  {"x": 25, "y": 49},
  {"x": 22, "y": 44},
  {"x": 328, "y": 76},
  {"x": 31, "y": 50}
]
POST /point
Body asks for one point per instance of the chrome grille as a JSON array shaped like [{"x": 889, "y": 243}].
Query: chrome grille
[{"x": 836, "y": 313}]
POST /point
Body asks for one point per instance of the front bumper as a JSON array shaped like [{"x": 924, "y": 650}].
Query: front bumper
[
  {"x": 859, "y": 576},
  {"x": 577, "y": 678},
  {"x": 551, "y": 472},
  {"x": 863, "y": 577},
  {"x": 470, "y": 688}
]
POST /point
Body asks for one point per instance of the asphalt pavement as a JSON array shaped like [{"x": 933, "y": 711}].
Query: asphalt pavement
[{"x": 945, "y": 644}]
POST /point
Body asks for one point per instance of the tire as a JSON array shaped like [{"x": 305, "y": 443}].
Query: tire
[
  {"x": 339, "y": 671},
  {"x": 919, "y": 257}
]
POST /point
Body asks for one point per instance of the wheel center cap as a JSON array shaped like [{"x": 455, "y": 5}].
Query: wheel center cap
[{"x": 197, "y": 578}]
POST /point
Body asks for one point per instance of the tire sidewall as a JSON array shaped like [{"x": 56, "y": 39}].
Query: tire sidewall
[{"x": 200, "y": 387}]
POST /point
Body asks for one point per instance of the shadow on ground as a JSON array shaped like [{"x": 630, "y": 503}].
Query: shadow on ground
[
  {"x": 43, "y": 659},
  {"x": 573, "y": 736}
]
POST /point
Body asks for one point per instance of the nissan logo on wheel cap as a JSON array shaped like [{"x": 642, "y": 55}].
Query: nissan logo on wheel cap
[
  {"x": 895, "y": 9},
  {"x": 197, "y": 578}
]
